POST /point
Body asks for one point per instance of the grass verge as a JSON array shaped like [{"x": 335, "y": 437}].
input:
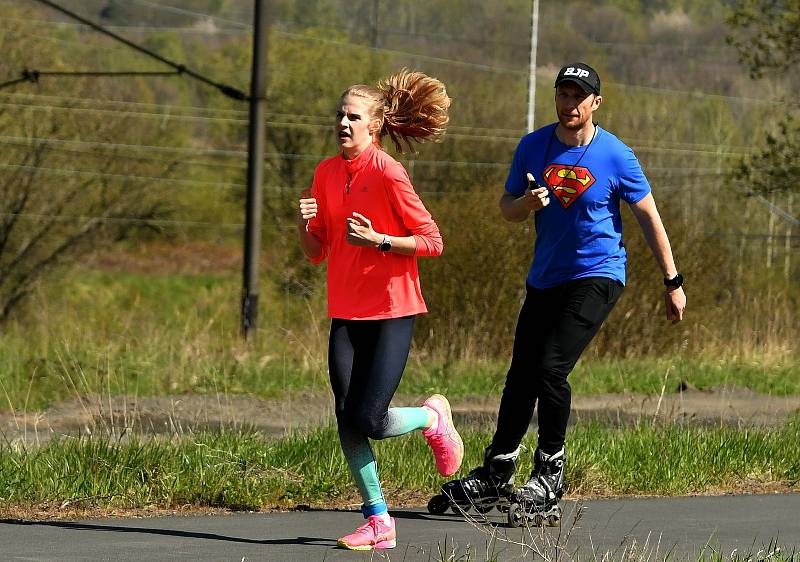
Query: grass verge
[
  {"x": 245, "y": 470},
  {"x": 113, "y": 333}
]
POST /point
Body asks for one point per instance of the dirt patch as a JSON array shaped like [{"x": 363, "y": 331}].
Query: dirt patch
[
  {"x": 163, "y": 258},
  {"x": 164, "y": 415},
  {"x": 171, "y": 415}
]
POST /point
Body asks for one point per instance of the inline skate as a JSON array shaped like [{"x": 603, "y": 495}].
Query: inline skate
[
  {"x": 485, "y": 487},
  {"x": 536, "y": 502}
]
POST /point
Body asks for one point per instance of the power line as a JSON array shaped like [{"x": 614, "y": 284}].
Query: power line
[
  {"x": 87, "y": 147},
  {"x": 436, "y": 193},
  {"x": 201, "y": 15},
  {"x": 682, "y": 144},
  {"x": 727, "y": 154},
  {"x": 129, "y": 113},
  {"x": 497, "y": 69},
  {"x": 121, "y": 146},
  {"x": 440, "y": 36},
  {"x": 26, "y": 141},
  {"x": 227, "y": 90},
  {"x": 91, "y": 147},
  {"x": 668, "y": 172},
  {"x": 82, "y": 44},
  {"x": 316, "y": 119},
  {"x": 496, "y": 133},
  {"x": 125, "y": 220},
  {"x": 127, "y": 177},
  {"x": 124, "y": 103},
  {"x": 754, "y": 237},
  {"x": 247, "y": 26},
  {"x": 166, "y": 116},
  {"x": 33, "y": 75},
  {"x": 128, "y": 28},
  {"x": 440, "y": 60},
  {"x": 774, "y": 209},
  {"x": 163, "y": 116}
]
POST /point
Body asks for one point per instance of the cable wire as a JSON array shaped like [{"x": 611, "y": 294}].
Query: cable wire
[
  {"x": 229, "y": 91},
  {"x": 33, "y": 75},
  {"x": 124, "y": 220},
  {"x": 93, "y": 174},
  {"x": 199, "y": 15},
  {"x": 490, "y": 68},
  {"x": 488, "y": 133}
]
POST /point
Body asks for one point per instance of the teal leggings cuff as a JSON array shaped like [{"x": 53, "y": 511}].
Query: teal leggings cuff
[{"x": 374, "y": 509}]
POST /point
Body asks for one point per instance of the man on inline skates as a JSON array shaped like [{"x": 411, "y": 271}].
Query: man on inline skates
[{"x": 571, "y": 175}]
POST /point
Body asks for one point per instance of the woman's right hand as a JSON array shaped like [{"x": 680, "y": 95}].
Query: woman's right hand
[
  {"x": 311, "y": 245},
  {"x": 308, "y": 208}
]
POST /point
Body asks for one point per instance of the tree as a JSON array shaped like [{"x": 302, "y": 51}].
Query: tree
[
  {"x": 65, "y": 187},
  {"x": 776, "y": 167},
  {"x": 766, "y": 33}
]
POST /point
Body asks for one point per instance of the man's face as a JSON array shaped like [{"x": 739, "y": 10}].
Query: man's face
[
  {"x": 353, "y": 127},
  {"x": 574, "y": 107}
]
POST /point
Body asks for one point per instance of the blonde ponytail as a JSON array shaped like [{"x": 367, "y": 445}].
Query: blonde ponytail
[{"x": 415, "y": 109}]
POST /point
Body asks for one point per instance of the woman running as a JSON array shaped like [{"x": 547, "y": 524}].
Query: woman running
[{"x": 364, "y": 216}]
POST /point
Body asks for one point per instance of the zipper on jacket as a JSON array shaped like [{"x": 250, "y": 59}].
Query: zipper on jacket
[{"x": 347, "y": 185}]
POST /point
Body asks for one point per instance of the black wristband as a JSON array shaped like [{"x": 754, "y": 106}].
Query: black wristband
[{"x": 675, "y": 282}]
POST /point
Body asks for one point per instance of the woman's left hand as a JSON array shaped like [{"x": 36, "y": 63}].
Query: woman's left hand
[{"x": 360, "y": 231}]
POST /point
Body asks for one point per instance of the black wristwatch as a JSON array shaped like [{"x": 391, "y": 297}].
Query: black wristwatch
[
  {"x": 675, "y": 282},
  {"x": 386, "y": 245}
]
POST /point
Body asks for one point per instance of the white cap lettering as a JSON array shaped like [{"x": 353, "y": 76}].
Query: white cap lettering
[{"x": 579, "y": 72}]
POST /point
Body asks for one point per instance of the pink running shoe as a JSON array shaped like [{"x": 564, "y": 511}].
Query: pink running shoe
[
  {"x": 445, "y": 442},
  {"x": 372, "y": 535}
]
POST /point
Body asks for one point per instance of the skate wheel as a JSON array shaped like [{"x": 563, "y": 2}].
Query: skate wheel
[
  {"x": 553, "y": 521},
  {"x": 516, "y": 515},
  {"x": 538, "y": 520},
  {"x": 438, "y": 504},
  {"x": 483, "y": 508}
]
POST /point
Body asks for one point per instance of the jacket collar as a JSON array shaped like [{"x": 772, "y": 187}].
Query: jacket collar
[{"x": 357, "y": 163}]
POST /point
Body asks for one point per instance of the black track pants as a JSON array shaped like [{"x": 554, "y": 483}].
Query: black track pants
[
  {"x": 555, "y": 325},
  {"x": 366, "y": 359}
]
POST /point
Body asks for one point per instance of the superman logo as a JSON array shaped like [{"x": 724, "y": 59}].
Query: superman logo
[{"x": 567, "y": 182}]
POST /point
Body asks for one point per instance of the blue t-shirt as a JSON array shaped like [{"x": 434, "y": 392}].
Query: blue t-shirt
[{"x": 579, "y": 234}]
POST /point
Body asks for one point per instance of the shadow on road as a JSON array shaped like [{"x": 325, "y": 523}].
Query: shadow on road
[{"x": 168, "y": 532}]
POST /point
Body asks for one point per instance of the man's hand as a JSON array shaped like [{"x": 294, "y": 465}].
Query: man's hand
[
  {"x": 675, "y": 300},
  {"x": 518, "y": 209},
  {"x": 360, "y": 232},
  {"x": 537, "y": 198}
]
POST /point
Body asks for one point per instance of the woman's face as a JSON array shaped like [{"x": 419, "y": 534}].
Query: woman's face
[{"x": 354, "y": 130}]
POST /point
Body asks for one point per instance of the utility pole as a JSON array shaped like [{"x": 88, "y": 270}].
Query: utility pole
[
  {"x": 532, "y": 80},
  {"x": 255, "y": 169}
]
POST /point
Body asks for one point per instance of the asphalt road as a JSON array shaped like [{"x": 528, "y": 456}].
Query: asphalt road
[{"x": 653, "y": 527}]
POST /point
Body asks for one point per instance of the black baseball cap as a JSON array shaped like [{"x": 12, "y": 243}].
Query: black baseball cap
[{"x": 582, "y": 74}]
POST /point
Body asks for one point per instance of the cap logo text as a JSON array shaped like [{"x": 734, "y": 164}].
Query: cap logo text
[{"x": 577, "y": 72}]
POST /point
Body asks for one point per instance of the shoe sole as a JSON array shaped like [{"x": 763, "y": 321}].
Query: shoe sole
[
  {"x": 449, "y": 415},
  {"x": 381, "y": 545}
]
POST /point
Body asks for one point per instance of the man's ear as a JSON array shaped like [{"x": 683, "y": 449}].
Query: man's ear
[{"x": 598, "y": 99}]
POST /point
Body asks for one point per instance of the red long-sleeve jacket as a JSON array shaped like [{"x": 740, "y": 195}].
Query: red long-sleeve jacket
[{"x": 363, "y": 282}]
